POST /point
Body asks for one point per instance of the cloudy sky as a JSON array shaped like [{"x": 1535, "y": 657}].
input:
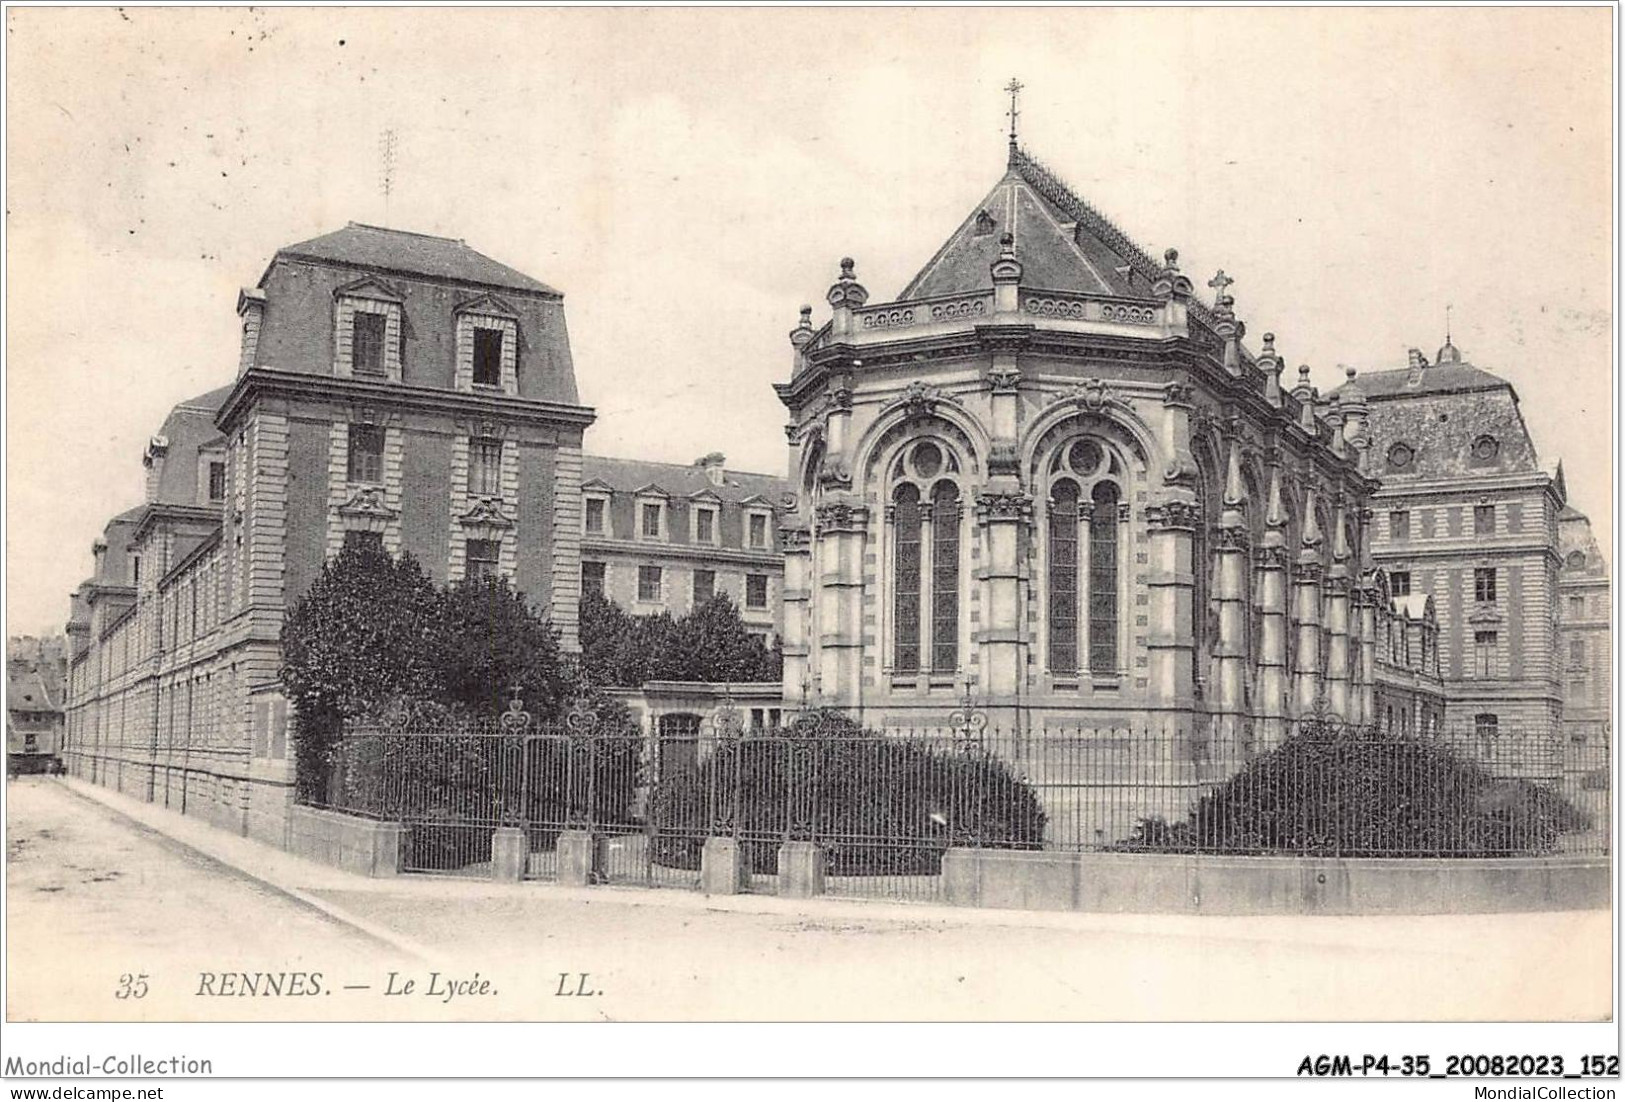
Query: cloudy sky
[{"x": 689, "y": 178}]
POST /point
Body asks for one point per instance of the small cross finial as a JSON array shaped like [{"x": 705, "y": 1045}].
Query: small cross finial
[
  {"x": 1220, "y": 283},
  {"x": 1014, "y": 88},
  {"x": 1447, "y": 323}
]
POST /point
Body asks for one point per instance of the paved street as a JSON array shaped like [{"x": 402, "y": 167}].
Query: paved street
[
  {"x": 92, "y": 898},
  {"x": 668, "y": 954}
]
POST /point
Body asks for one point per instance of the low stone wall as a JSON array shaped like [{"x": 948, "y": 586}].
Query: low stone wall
[
  {"x": 1145, "y": 883},
  {"x": 357, "y": 845}
]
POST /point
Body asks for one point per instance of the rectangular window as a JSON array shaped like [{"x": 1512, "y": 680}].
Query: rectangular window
[
  {"x": 1577, "y": 607},
  {"x": 482, "y": 558},
  {"x": 651, "y": 520},
  {"x": 487, "y": 357},
  {"x": 705, "y": 525},
  {"x": 705, "y": 586},
  {"x": 217, "y": 482},
  {"x": 755, "y": 590},
  {"x": 485, "y": 467},
  {"x": 1577, "y": 652},
  {"x": 595, "y": 516},
  {"x": 648, "y": 583},
  {"x": 1484, "y": 653},
  {"x": 1485, "y": 728},
  {"x": 1483, "y": 520},
  {"x": 373, "y": 541},
  {"x": 366, "y": 453},
  {"x": 758, "y": 530},
  {"x": 1484, "y": 583},
  {"x": 367, "y": 342},
  {"x": 1399, "y": 583},
  {"x": 1399, "y": 524},
  {"x": 592, "y": 578}
]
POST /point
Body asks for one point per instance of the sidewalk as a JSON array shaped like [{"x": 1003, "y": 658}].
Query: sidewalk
[{"x": 308, "y": 881}]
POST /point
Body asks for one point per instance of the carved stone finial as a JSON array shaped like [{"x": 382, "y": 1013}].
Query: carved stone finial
[
  {"x": 847, "y": 266},
  {"x": 1269, "y": 344},
  {"x": 1007, "y": 244},
  {"x": 1303, "y": 375},
  {"x": 1170, "y": 259}
]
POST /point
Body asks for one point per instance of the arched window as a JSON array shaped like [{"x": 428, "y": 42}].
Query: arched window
[
  {"x": 925, "y": 567},
  {"x": 906, "y": 579},
  {"x": 1063, "y": 577},
  {"x": 1082, "y": 595},
  {"x": 945, "y": 577},
  {"x": 1103, "y": 580}
]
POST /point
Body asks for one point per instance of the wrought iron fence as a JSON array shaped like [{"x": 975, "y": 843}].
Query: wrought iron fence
[{"x": 886, "y": 806}]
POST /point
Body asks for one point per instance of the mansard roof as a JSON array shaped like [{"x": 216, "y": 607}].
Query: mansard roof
[
  {"x": 1063, "y": 243},
  {"x": 679, "y": 480},
  {"x": 446, "y": 258},
  {"x": 1440, "y": 411},
  {"x": 188, "y": 428}
]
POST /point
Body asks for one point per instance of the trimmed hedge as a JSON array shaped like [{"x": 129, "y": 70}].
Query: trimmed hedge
[
  {"x": 1347, "y": 792},
  {"x": 877, "y": 804}
]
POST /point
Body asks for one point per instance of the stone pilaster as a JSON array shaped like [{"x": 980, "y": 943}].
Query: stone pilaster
[
  {"x": 1170, "y": 677},
  {"x": 842, "y": 536},
  {"x": 1229, "y": 595},
  {"x": 1273, "y": 620},
  {"x": 796, "y": 541},
  {"x": 1338, "y": 586},
  {"x": 1363, "y": 702},
  {"x": 1003, "y": 513},
  {"x": 1306, "y": 595}
]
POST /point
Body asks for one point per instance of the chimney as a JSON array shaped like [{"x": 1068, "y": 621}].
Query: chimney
[
  {"x": 153, "y": 460},
  {"x": 713, "y": 467},
  {"x": 1418, "y": 362},
  {"x": 251, "y": 308}
]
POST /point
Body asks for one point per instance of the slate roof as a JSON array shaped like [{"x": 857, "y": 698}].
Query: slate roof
[
  {"x": 361, "y": 245},
  {"x": 26, "y": 691},
  {"x": 1063, "y": 243},
  {"x": 1414, "y": 606},
  {"x": 681, "y": 480},
  {"x": 1439, "y": 411},
  {"x": 189, "y": 426},
  {"x": 1574, "y": 534},
  {"x": 1447, "y": 378}
]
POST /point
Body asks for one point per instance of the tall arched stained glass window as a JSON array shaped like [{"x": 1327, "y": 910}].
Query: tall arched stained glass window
[
  {"x": 945, "y": 577},
  {"x": 1063, "y": 577},
  {"x": 906, "y": 579},
  {"x": 1103, "y": 580}
]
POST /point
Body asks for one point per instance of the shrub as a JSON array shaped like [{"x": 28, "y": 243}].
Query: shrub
[
  {"x": 711, "y": 643},
  {"x": 876, "y": 804},
  {"x": 1345, "y": 791}
]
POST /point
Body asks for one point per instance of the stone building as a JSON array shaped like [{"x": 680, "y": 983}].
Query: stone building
[
  {"x": 661, "y": 537},
  {"x": 1408, "y": 685},
  {"x": 1048, "y": 477},
  {"x": 1584, "y": 638},
  {"x": 392, "y": 387},
  {"x": 1467, "y": 514}
]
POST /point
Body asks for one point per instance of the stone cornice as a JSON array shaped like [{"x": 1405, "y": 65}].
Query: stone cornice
[
  {"x": 261, "y": 382},
  {"x": 641, "y": 549}
]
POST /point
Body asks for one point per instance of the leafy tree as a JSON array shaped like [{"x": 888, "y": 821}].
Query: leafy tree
[
  {"x": 357, "y": 641},
  {"x": 878, "y": 804},
  {"x": 486, "y": 641},
  {"x": 1343, "y": 790},
  {"x": 711, "y": 643}
]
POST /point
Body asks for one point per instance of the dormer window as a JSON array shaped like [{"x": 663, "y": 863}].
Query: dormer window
[
  {"x": 217, "y": 481},
  {"x": 756, "y": 531},
  {"x": 705, "y": 524},
  {"x": 367, "y": 330},
  {"x": 367, "y": 335},
  {"x": 488, "y": 357},
  {"x": 650, "y": 517},
  {"x": 1400, "y": 456},
  {"x": 487, "y": 346},
  {"x": 596, "y": 511}
]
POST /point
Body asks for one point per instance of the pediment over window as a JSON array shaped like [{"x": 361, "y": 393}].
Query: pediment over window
[
  {"x": 366, "y": 510},
  {"x": 486, "y": 513},
  {"x": 652, "y": 490},
  {"x": 487, "y": 304},
  {"x": 707, "y": 497},
  {"x": 370, "y": 287},
  {"x": 757, "y": 500},
  {"x": 597, "y": 485}
]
